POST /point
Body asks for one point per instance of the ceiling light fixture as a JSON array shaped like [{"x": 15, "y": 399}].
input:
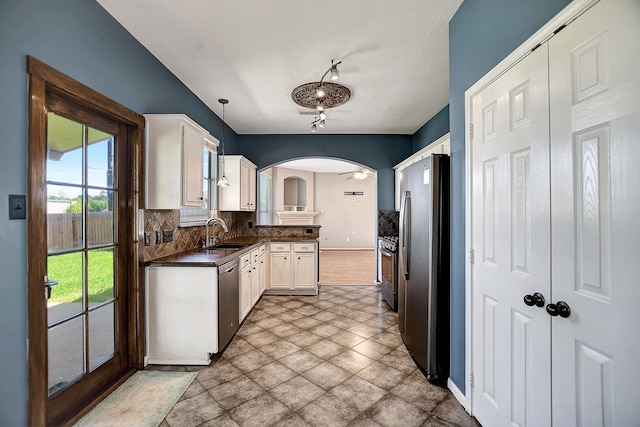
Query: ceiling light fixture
[
  {"x": 223, "y": 181},
  {"x": 322, "y": 95},
  {"x": 360, "y": 174}
]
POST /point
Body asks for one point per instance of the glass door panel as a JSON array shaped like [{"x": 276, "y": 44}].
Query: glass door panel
[
  {"x": 66, "y": 353},
  {"x": 82, "y": 196}
]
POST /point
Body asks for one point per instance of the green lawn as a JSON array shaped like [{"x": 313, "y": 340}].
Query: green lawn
[{"x": 67, "y": 270}]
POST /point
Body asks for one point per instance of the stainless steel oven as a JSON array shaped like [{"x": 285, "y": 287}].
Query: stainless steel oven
[{"x": 387, "y": 249}]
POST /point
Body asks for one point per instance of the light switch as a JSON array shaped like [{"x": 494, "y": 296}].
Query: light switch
[{"x": 17, "y": 206}]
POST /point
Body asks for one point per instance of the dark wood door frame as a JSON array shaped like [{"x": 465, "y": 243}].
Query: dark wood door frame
[{"x": 46, "y": 81}]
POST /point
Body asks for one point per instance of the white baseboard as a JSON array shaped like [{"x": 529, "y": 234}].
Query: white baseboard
[{"x": 460, "y": 397}]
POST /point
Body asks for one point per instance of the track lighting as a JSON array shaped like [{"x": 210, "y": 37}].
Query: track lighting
[
  {"x": 333, "y": 71},
  {"x": 322, "y": 95}
]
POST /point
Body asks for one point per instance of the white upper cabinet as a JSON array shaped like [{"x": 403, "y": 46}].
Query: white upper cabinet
[
  {"x": 240, "y": 195},
  {"x": 175, "y": 148}
]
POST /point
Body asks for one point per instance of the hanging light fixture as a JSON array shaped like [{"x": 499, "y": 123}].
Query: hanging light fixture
[
  {"x": 322, "y": 95},
  {"x": 223, "y": 181}
]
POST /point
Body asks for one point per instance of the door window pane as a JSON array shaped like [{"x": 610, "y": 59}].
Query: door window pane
[
  {"x": 66, "y": 297},
  {"x": 100, "y": 275},
  {"x": 100, "y": 217},
  {"x": 101, "y": 335},
  {"x": 64, "y": 149},
  {"x": 100, "y": 159},
  {"x": 66, "y": 353},
  {"x": 64, "y": 217}
]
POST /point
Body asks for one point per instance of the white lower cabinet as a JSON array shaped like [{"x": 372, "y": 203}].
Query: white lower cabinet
[
  {"x": 181, "y": 315},
  {"x": 293, "y": 268},
  {"x": 251, "y": 284}
]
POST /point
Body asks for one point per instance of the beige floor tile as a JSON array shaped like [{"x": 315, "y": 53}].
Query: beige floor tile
[
  {"x": 263, "y": 410},
  {"x": 194, "y": 411},
  {"x": 297, "y": 392},
  {"x": 326, "y": 375},
  {"x": 358, "y": 393}
]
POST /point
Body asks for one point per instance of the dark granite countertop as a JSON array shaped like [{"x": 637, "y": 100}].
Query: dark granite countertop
[{"x": 216, "y": 257}]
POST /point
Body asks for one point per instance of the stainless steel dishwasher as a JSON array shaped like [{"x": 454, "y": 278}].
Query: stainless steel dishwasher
[{"x": 228, "y": 302}]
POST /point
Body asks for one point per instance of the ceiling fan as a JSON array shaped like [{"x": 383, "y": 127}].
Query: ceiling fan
[{"x": 360, "y": 173}]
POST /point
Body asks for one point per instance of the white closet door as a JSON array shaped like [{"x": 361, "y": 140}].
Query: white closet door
[
  {"x": 595, "y": 155},
  {"x": 511, "y": 238}
]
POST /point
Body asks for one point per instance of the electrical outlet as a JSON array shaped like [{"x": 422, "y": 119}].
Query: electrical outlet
[
  {"x": 158, "y": 237},
  {"x": 348, "y": 239},
  {"x": 147, "y": 238},
  {"x": 167, "y": 236}
]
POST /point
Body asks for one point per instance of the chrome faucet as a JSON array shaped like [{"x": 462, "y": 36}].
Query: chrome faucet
[{"x": 213, "y": 221}]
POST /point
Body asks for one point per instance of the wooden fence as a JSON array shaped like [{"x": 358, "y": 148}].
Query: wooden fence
[{"x": 64, "y": 230}]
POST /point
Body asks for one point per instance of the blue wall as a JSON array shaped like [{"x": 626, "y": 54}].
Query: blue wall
[
  {"x": 379, "y": 152},
  {"x": 432, "y": 130},
  {"x": 481, "y": 34},
  {"x": 80, "y": 39}
]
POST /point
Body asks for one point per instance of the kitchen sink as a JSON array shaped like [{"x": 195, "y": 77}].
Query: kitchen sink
[{"x": 229, "y": 246}]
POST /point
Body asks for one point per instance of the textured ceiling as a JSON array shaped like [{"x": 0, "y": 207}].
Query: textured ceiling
[{"x": 254, "y": 52}]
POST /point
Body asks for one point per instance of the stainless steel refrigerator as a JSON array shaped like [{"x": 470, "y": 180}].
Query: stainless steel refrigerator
[{"x": 423, "y": 264}]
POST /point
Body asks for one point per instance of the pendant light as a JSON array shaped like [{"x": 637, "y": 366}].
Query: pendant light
[{"x": 223, "y": 181}]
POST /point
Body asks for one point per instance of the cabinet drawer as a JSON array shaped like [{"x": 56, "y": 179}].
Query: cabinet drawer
[
  {"x": 261, "y": 250},
  {"x": 280, "y": 247},
  {"x": 255, "y": 254},
  {"x": 304, "y": 247},
  {"x": 245, "y": 260}
]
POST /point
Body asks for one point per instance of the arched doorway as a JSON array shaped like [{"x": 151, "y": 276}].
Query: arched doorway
[{"x": 341, "y": 197}]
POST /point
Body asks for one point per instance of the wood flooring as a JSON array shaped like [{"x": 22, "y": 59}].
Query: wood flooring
[{"x": 347, "y": 267}]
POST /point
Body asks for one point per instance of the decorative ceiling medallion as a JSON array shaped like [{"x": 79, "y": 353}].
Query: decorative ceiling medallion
[{"x": 305, "y": 94}]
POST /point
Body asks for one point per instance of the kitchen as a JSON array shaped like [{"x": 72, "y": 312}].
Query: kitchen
[{"x": 96, "y": 48}]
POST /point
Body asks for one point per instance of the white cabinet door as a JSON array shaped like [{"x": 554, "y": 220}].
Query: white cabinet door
[
  {"x": 280, "y": 270},
  {"x": 245, "y": 293},
  {"x": 262, "y": 273},
  {"x": 511, "y": 238},
  {"x": 240, "y": 195},
  {"x": 595, "y": 123},
  {"x": 174, "y": 146},
  {"x": 247, "y": 186},
  {"x": 192, "y": 145},
  {"x": 304, "y": 270},
  {"x": 255, "y": 284}
]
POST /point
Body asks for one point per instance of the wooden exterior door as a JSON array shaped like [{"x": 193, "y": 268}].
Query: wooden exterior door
[{"x": 83, "y": 293}]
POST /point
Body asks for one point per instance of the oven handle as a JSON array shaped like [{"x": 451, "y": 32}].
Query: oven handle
[{"x": 386, "y": 252}]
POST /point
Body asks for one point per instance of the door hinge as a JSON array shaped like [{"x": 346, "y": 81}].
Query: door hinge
[
  {"x": 470, "y": 130},
  {"x": 471, "y": 379},
  {"x": 471, "y": 256}
]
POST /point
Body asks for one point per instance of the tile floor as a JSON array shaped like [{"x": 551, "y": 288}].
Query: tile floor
[{"x": 335, "y": 359}]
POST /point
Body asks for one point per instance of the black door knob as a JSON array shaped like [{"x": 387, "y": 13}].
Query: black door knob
[
  {"x": 561, "y": 309},
  {"x": 536, "y": 299}
]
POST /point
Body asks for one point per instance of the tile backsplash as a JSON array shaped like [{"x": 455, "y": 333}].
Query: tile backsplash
[
  {"x": 388, "y": 222},
  {"x": 186, "y": 238}
]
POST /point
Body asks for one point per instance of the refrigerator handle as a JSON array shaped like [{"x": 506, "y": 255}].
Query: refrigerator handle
[{"x": 405, "y": 221}]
